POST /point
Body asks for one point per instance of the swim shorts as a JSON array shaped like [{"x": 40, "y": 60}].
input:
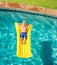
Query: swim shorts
[{"x": 23, "y": 34}]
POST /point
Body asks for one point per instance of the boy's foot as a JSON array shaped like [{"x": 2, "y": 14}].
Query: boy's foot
[{"x": 24, "y": 42}]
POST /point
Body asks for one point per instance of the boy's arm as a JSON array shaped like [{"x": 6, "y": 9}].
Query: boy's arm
[
  {"x": 28, "y": 25},
  {"x": 19, "y": 24}
]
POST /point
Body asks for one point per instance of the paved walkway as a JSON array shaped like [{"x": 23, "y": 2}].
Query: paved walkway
[{"x": 29, "y": 8}]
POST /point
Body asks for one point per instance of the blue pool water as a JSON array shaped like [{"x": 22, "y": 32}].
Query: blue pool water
[{"x": 43, "y": 38}]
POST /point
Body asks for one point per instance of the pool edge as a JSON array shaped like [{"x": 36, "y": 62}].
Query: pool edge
[{"x": 30, "y": 8}]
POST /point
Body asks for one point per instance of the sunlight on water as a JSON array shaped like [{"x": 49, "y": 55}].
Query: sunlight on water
[{"x": 43, "y": 37}]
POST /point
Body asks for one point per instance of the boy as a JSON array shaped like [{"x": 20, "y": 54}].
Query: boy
[{"x": 24, "y": 30}]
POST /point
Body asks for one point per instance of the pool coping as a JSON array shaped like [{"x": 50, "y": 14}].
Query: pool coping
[{"x": 30, "y": 8}]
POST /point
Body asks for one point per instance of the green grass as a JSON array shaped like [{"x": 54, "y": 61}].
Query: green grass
[{"x": 43, "y": 3}]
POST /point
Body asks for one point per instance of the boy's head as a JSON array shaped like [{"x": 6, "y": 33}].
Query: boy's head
[{"x": 24, "y": 22}]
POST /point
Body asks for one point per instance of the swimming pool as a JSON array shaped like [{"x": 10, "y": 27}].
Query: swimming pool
[{"x": 44, "y": 38}]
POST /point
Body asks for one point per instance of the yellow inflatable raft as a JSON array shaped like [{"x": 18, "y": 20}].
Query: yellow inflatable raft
[{"x": 23, "y": 50}]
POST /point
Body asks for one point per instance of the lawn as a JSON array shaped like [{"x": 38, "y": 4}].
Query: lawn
[{"x": 43, "y": 3}]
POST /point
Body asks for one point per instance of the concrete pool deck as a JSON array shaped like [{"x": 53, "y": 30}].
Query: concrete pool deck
[{"x": 41, "y": 10}]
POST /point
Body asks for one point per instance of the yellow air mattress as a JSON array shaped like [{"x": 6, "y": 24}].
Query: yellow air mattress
[{"x": 23, "y": 49}]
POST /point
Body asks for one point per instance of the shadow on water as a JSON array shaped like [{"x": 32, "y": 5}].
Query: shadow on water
[{"x": 46, "y": 53}]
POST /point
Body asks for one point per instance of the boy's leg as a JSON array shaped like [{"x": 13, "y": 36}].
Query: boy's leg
[
  {"x": 24, "y": 40},
  {"x": 25, "y": 37},
  {"x": 21, "y": 39}
]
